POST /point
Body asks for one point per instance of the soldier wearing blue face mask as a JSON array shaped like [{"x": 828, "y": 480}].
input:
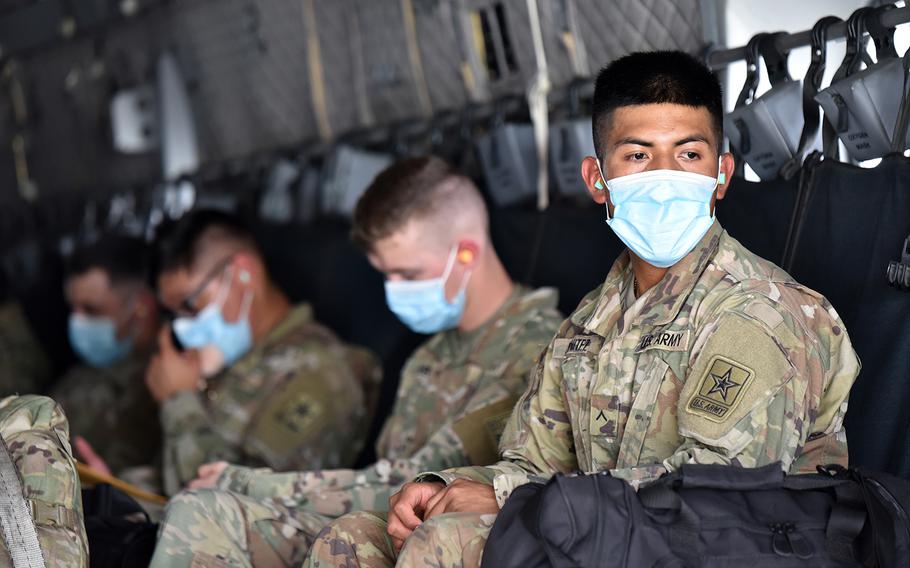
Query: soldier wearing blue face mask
[
  {"x": 254, "y": 379},
  {"x": 113, "y": 324}
]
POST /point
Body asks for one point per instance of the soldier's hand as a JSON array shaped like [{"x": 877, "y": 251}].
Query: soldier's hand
[
  {"x": 171, "y": 371},
  {"x": 87, "y": 454},
  {"x": 208, "y": 475},
  {"x": 463, "y": 496},
  {"x": 406, "y": 509}
]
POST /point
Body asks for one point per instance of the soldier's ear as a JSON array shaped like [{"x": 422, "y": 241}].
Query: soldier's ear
[{"x": 468, "y": 253}]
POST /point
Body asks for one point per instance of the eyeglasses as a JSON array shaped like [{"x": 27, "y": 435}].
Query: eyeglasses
[{"x": 189, "y": 303}]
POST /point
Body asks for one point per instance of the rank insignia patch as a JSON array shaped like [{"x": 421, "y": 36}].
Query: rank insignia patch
[{"x": 720, "y": 389}]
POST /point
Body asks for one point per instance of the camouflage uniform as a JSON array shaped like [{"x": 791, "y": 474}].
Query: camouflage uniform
[
  {"x": 24, "y": 366},
  {"x": 455, "y": 394},
  {"x": 726, "y": 360},
  {"x": 298, "y": 400},
  {"x": 99, "y": 402},
  {"x": 36, "y": 435}
]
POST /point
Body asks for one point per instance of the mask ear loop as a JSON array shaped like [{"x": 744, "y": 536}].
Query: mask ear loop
[
  {"x": 603, "y": 179},
  {"x": 717, "y": 182},
  {"x": 226, "y": 285},
  {"x": 448, "y": 271}
]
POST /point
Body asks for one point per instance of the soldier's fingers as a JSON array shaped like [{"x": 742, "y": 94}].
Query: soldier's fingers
[
  {"x": 396, "y": 529},
  {"x": 210, "y": 469},
  {"x": 397, "y": 543},
  {"x": 87, "y": 453},
  {"x": 406, "y": 514},
  {"x": 165, "y": 343},
  {"x": 443, "y": 505},
  {"x": 434, "y": 502}
]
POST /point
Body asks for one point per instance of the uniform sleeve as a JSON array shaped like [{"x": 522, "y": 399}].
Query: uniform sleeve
[
  {"x": 537, "y": 440},
  {"x": 189, "y": 440},
  {"x": 746, "y": 399}
]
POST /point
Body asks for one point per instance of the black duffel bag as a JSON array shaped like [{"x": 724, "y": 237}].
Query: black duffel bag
[{"x": 706, "y": 516}]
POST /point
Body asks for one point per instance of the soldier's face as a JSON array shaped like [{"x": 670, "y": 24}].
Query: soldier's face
[
  {"x": 92, "y": 294},
  {"x": 185, "y": 292},
  {"x": 641, "y": 138},
  {"x": 413, "y": 254}
]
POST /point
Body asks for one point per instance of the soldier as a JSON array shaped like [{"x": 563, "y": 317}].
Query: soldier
[
  {"x": 112, "y": 327},
  {"x": 37, "y": 464},
  {"x": 254, "y": 380},
  {"x": 694, "y": 350},
  {"x": 425, "y": 227}
]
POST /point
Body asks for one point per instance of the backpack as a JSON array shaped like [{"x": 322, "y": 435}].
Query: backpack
[
  {"x": 41, "y": 513},
  {"x": 707, "y": 516}
]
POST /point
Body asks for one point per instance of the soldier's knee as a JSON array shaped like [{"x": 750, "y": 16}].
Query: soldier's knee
[
  {"x": 191, "y": 505},
  {"x": 449, "y": 535},
  {"x": 359, "y": 522}
]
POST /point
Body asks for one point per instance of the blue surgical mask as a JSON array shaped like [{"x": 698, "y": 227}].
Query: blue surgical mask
[
  {"x": 422, "y": 305},
  {"x": 220, "y": 342},
  {"x": 661, "y": 215},
  {"x": 95, "y": 340}
]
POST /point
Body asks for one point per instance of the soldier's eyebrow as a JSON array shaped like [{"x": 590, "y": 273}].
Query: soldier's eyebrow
[
  {"x": 693, "y": 138},
  {"x": 633, "y": 141}
]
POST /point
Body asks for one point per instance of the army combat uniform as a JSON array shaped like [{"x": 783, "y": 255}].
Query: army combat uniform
[
  {"x": 35, "y": 433},
  {"x": 726, "y": 360},
  {"x": 456, "y": 392},
  {"x": 298, "y": 400},
  {"x": 113, "y": 410}
]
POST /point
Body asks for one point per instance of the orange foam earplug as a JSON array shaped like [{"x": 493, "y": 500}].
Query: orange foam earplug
[{"x": 466, "y": 256}]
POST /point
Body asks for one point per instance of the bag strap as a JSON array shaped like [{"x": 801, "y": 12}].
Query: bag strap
[
  {"x": 745, "y": 97},
  {"x": 882, "y": 36},
  {"x": 775, "y": 58},
  {"x": 704, "y": 476},
  {"x": 811, "y": 85},
  {"x": 16, "y": 521},
  {"x": 848, "y": 517}
]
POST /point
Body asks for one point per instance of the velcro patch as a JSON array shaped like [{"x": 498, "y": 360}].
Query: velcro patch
[
  {"x": 721, "y": 389},
  {"x": 579, "y": 344},
  {"x": 291, "y": 415},
  {"x": 664, "y": 341},
  {"x": 480, "y": 431}
]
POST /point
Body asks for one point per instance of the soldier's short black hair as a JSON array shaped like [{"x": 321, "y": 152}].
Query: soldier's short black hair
[
  {"x": 177, "y": 243},
  {"x": 124, "y": 259},
  {"x": 655, "y": 77}
]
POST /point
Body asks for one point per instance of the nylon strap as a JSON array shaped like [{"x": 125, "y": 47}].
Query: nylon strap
[
  {"x": 811, "y": 85},
  {"x": 316, "y": 71},
  {"x": 537, "y": 102},
  {"x": 16, "y": 522}
]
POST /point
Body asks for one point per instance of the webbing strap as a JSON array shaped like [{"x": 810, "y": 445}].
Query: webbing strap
[{"x": 16, "y": 522}]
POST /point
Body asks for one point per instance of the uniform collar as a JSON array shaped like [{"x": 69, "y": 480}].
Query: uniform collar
[{"x": 664, "y": 300}]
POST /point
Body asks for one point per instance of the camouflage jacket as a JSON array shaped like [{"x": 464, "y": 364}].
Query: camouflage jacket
[
  {"x": 113, "y": 410},
  {"x": 36, "y": 435},
  {"x": 456, "y": 392},
  {"x": 24, "y": 366},
  {"x": 726, "y": 360},
  {"x": 298, "y": 400}
]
